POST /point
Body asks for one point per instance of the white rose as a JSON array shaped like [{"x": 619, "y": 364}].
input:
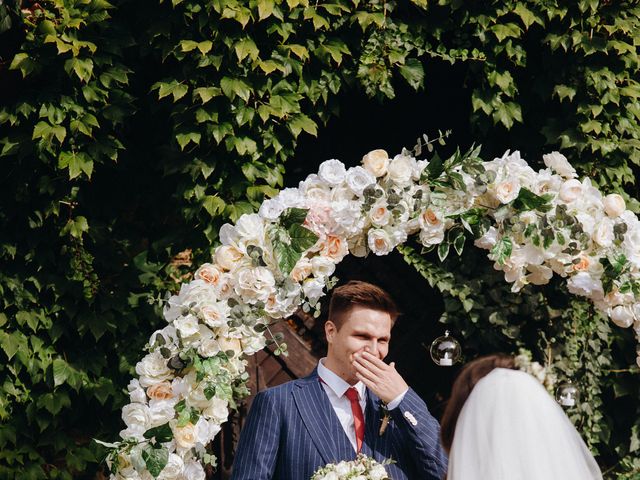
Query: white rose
[
  {"x": 193, "y": 471},
  {"x": 603, "y": 233},
  {"x": 432, "y": 236},
  {"x": 379, "y": 213},
  {"x": 379, "y": 241},
  {"x": 376, "y": 162},
  {"x": 358, "y": 179},
  {"x": 217, "y": 410},
  {"x": 571, "y": 190},
  {"x": 271, "y": 209},
  {"x": 622, "y": 315},
  {"x": 250, "y": 227},
  {"x": 209, "y": 347},
  {"x": 257, "y": 342},
  {"x": 255, "y": 284},
  {"x": 332, "y": 171},
  {"x": 290, "y": 197},
  {"x": 400, "y": 169},
  {"x": 137, "y": 418},
  {"x": 507, "y": 191},
  {"x": 153, "y": 369},
  {"x": 343, "y": 469},
  {"x": 185, "y": 437},
  {"x": 313, "y": 289},
  {"x": 173, "y": 468},
  {"x": 161, "y": 411},
  {"x": 229, "y": 257},
  {"x": 187, "y": 325},
  {"x": 488, "y": 240},
  {"x": 322, "y": 267},
  {"x": 315, "y": 189},
  {"x": 539, "y": 274},
  {"x": 378, "y": 473},
  {"x": 228, "y": 234},
  {"x": 614, "y": 205},
  {"x": 206, "y": 431},
  {"x": 136, "y": 392},
  {"x": 559, "y": 164},
  {"x": 127, "y": 473},
  {"x": 331, "y": 476},
  {"x": 215, "y": 314},
  {"x": 585, "y": 285}
]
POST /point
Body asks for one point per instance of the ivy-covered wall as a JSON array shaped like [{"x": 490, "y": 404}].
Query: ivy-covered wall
[{"x": 131, "y": 130}]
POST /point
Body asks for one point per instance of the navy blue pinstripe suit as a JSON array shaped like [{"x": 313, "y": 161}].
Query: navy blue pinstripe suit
[{"x": 292, "y": 430}]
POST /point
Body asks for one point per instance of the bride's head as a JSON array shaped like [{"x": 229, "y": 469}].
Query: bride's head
[{"x": 471, "y": 374}]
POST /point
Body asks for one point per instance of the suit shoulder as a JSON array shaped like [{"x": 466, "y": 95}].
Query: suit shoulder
[{"x": 279, "y": 390}]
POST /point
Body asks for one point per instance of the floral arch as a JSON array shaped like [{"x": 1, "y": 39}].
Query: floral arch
[{"x": 271, "y": 263}]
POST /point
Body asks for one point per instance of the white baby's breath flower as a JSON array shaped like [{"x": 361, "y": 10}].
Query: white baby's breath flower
[{"x": 559, "y": 164}]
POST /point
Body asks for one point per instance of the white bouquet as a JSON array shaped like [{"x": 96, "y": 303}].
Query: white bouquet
[{"x": 362, "y": 468}]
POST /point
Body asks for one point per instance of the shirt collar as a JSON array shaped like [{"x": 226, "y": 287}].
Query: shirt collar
[{"x": 337, "y": 384}]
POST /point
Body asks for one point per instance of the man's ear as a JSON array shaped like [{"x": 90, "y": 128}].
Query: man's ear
[{"x": 330, "y": 330}]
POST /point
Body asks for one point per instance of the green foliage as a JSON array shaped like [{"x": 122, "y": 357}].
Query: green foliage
[{"x": 130, "y": 131}]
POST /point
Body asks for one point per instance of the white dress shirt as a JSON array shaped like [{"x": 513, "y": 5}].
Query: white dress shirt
[{"x": 336, "y": 388}]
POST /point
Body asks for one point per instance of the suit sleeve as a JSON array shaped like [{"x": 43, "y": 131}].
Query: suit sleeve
[
  {"x": 421, "y": 435},
  {"x": 257, "y": 450}
]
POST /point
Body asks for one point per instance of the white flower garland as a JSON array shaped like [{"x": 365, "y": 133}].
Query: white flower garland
[
  {"x": 269, "y": 264},
  {"x": 362, "y": 468}
]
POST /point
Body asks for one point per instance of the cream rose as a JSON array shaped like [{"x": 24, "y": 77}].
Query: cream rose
[
  {"x": 217, "y": 410},
  {"x": 153, "y": 369},
  {"x": 571, "y": 190},
  {"x": 376, "y": 162},
  {"x": 603, "y": 233},
  {"x": 185, "y": 437},
  {"x": 209, "y": 273},
  {"x": 379, "y": 213},
  {"x": 614, "y": 205},
  {"x": 230, "y": 344},
  {"x": 622, "y": 315},
  {"x": 301, "y": 270},
  {"x": 507, "y": 191},
  {"x": 255, "y": 284},
  {"x": 161, "y": 411},
  {"x": 215, "y": 314},
  {"x": 160, "y": 391},
  {"x": 379, "y": 241},
  {"x": 187, "y": 325},
  {"x": 400, "y": 169},
  {"x": 334, "y": 248},
  {"x": 322, "y": 267},
  {"x": 228, "y": 257}
]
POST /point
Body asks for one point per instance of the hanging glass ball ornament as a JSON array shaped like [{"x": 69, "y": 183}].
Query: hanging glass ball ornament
[
  {"x": 445, "y": 350},
  {"x": 567, "y": 394}
]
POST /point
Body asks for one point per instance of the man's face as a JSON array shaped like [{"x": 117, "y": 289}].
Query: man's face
[{"x": 362, "y": 329}]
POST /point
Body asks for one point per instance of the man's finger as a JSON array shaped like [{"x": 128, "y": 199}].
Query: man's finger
[
  {"x": 368, "y": 383},
  {"x": 367, "y": 360},
  {"x": 375, "y": 360},
  {"x": 364, "y": 371}
]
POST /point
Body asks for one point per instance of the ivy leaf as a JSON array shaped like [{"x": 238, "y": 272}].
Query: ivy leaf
[
  {"x": 162, "y": 433},
  {"x": 214, "y": 205},
  {"x": 293, "y": 216},
  {"x": 527, "y": 200},
  {"x": 443, "y": 250},
  {"x": 458, "y": 242},
  {"x": 61, "y": 371},
  {"x": 300, "y": 122},
  {"x": 155, "y": 459},
  {"x": 413, "y": 73},
  {"x": 502, "y": 250},
  {"x": 246, "y": 48},
  {"x": 302, "y": 238}
]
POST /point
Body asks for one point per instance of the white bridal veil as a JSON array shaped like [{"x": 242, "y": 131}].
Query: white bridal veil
[{"x": 510, "y": 428}]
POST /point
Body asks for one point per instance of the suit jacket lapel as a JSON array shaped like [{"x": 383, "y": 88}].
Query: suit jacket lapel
[{"x": 318, "y": 415}]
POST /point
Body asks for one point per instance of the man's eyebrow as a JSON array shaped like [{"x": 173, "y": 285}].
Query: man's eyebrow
[{"x": 368, "y": 334}]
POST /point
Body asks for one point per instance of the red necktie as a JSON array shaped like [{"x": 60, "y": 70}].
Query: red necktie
[{"x": 358, "y": 417}]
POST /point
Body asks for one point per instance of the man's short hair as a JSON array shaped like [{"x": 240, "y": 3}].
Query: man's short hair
[{"x": 357, "y": 293}]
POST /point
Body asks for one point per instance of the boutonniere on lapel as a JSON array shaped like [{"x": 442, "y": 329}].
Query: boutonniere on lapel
[{"x": 386, "y": 417}]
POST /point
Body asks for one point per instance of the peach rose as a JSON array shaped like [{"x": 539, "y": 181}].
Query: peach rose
[
  {"x": 334, "y": 248},
  {"x": 582, "y": 265},
  {"x": 301, "y": 270},
  {"x": 209, "y": 273},
  {"x": 376, "y": 162},
  {"x": 160, "y": 391}
]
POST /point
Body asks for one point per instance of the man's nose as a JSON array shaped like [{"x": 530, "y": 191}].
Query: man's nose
[{"x": 373, "y": 347}]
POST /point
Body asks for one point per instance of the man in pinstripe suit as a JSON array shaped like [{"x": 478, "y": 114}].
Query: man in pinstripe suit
[{"x": 340, "y": 409}]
